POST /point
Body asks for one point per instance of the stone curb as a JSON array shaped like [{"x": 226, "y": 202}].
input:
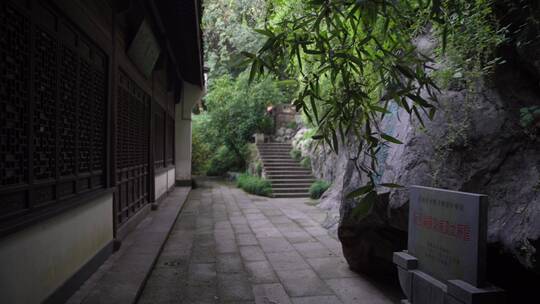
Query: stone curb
[{"x": 127, "y": 276}]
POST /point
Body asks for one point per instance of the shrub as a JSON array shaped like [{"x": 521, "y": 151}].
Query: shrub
[
  {"x": 266, "y": 125},
  {"x": 309, "y": 134},
  {"x": 259, "y": 168},
  {"x": 237, "y": 109},
  {"x": 296, "y": 154},
  {"x": 292, "y": 125},
  {"x": 199, "y": 157},
  {"x": 254, "y": 185},
  {"x": 201, "y": 148},
  {"x": 224, "y": 160},
  {"x": 529, "y": 116},
  {"x": 306, "y": 162},
  {"x": 318, "y": 188}
]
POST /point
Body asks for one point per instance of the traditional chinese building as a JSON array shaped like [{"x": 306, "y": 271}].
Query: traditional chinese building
[{"x": 95, "y": 103}]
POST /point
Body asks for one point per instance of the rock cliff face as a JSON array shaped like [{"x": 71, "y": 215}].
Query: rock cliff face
[
  {"x": 477, "y": 148},
  {"x": 474, "y": 144}
]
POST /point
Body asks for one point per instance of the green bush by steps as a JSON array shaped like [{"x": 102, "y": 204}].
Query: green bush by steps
[
  {"x": 306, "y": 163},
  {"x": 318, "y": 188},
  {"x": 222, "y": 161},
  {"x": 295, "y": 154},
  {"x": 254, "y": 185}
]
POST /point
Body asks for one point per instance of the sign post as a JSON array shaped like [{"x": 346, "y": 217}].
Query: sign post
[{"x": 446, "y": 257}]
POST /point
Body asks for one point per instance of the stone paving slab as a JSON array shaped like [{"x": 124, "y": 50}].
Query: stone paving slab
[
  {"x": 121, "y": 278},
  {"x": 316, "y": 300},
  {"x": 270, "y": 293},
  {"x": 231, "y": 247}
]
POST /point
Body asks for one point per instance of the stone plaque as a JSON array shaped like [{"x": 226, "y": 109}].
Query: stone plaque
[
  {"x": 447, "y": 233},
  {"x": 144, "y": 49}
]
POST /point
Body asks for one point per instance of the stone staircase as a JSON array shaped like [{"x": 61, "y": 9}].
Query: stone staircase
[{"x": 288, "y": 178}]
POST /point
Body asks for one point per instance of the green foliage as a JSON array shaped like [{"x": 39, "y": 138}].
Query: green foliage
[
  {"x": 537, "y": 186},
  {"x": 259, "y": 168},
  {"x": 366, "y": 197},
  {"x": 266, "y": 125},
  {"x": 530, "y": 122},
  {"x": 224, "y": 160},
  {"x": 237, "y": 110},
  {"x": 199, "y": 156},
  {"x": 529, "y": 115},
  {"x": 318, "y": 188},
  {"x": 234, "y": 109},
  {"x": 471, "y": 36},
  {"x": 465, "y": 66},
  {"x": 201, "y": 148},
  {"x": 296, "y": 154},
  {"x": 351, "y": 59},
  {"x": 227, "y": 26},
  {"x": 306, "y": 162},
  {"x": 292, "y": 125},
  {"x": 309, "y": 134},
  {"x": 254, "y": 185}
]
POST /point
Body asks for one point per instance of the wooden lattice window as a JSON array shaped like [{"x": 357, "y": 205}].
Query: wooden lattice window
[
  {"x": 132, "y": 170},
  {"x": 53, "y": 107},
  {"x": 159, "y": 136},
  {"x": 169, "y": 145}
]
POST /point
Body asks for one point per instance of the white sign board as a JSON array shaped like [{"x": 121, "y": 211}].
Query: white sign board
[
  {"x": 144, "y": 49},
  {"x": 447, "y": 233}
]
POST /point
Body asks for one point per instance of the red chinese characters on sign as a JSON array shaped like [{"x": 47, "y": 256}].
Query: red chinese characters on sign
[{"x": 459, "y": 231}]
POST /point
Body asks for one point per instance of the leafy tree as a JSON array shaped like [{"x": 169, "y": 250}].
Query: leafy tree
[
  {"x": 350, "y": 59},
  {"x": 238, "y": 110},
  {"x": 200, "y": 146},
  {"x": 227, "y": 26},
  {"x": 235, "y": 111}
]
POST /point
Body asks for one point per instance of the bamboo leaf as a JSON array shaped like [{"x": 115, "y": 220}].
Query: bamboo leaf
[
  {"x": 265, "y": 32},
  {"x": 365, "y": 205},
  {"x": 392, "y": 185},
  {"x": 360, "y": 191},
  {"x": 391, "y": 139}
]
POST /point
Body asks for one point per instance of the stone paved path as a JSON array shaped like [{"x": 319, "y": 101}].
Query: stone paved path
[{"x": 231, "y": 247}]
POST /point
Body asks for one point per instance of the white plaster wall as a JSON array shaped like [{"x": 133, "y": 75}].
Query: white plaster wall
[
  {"x": 183, "y": 150},
  {"x": 191, "y": 94},
  {"x": 160, "y": 184},
  {"x": 170, "y": 178},
  {"x": 36, "y": 261}
]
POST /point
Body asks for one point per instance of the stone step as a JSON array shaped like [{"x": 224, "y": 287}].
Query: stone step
[
  {"x": 299, "y": 172},
  {"x": 272, "y": 155},
  {"x": 275, "y": 149},
  {"x": 292, "y": 185},
  {"x": 281, "y": 164},
  {"x": 274, "y": 152},
  {"x": 284, "y": 151},
  {"x": 276, "y": 158},
  {"x": 289, "y": 190},
  {"x": 307, "y": 181},
  {"x": 271, "y": 174},
  {"x": 288, "y": 176},
  {"x": 288, "y": 171},
  {"x": 296, "y": 168},
  {"x": 279, "y": 161},
  {"x": 274, "y": 144},
  {"x": 291, "y": 195}
]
